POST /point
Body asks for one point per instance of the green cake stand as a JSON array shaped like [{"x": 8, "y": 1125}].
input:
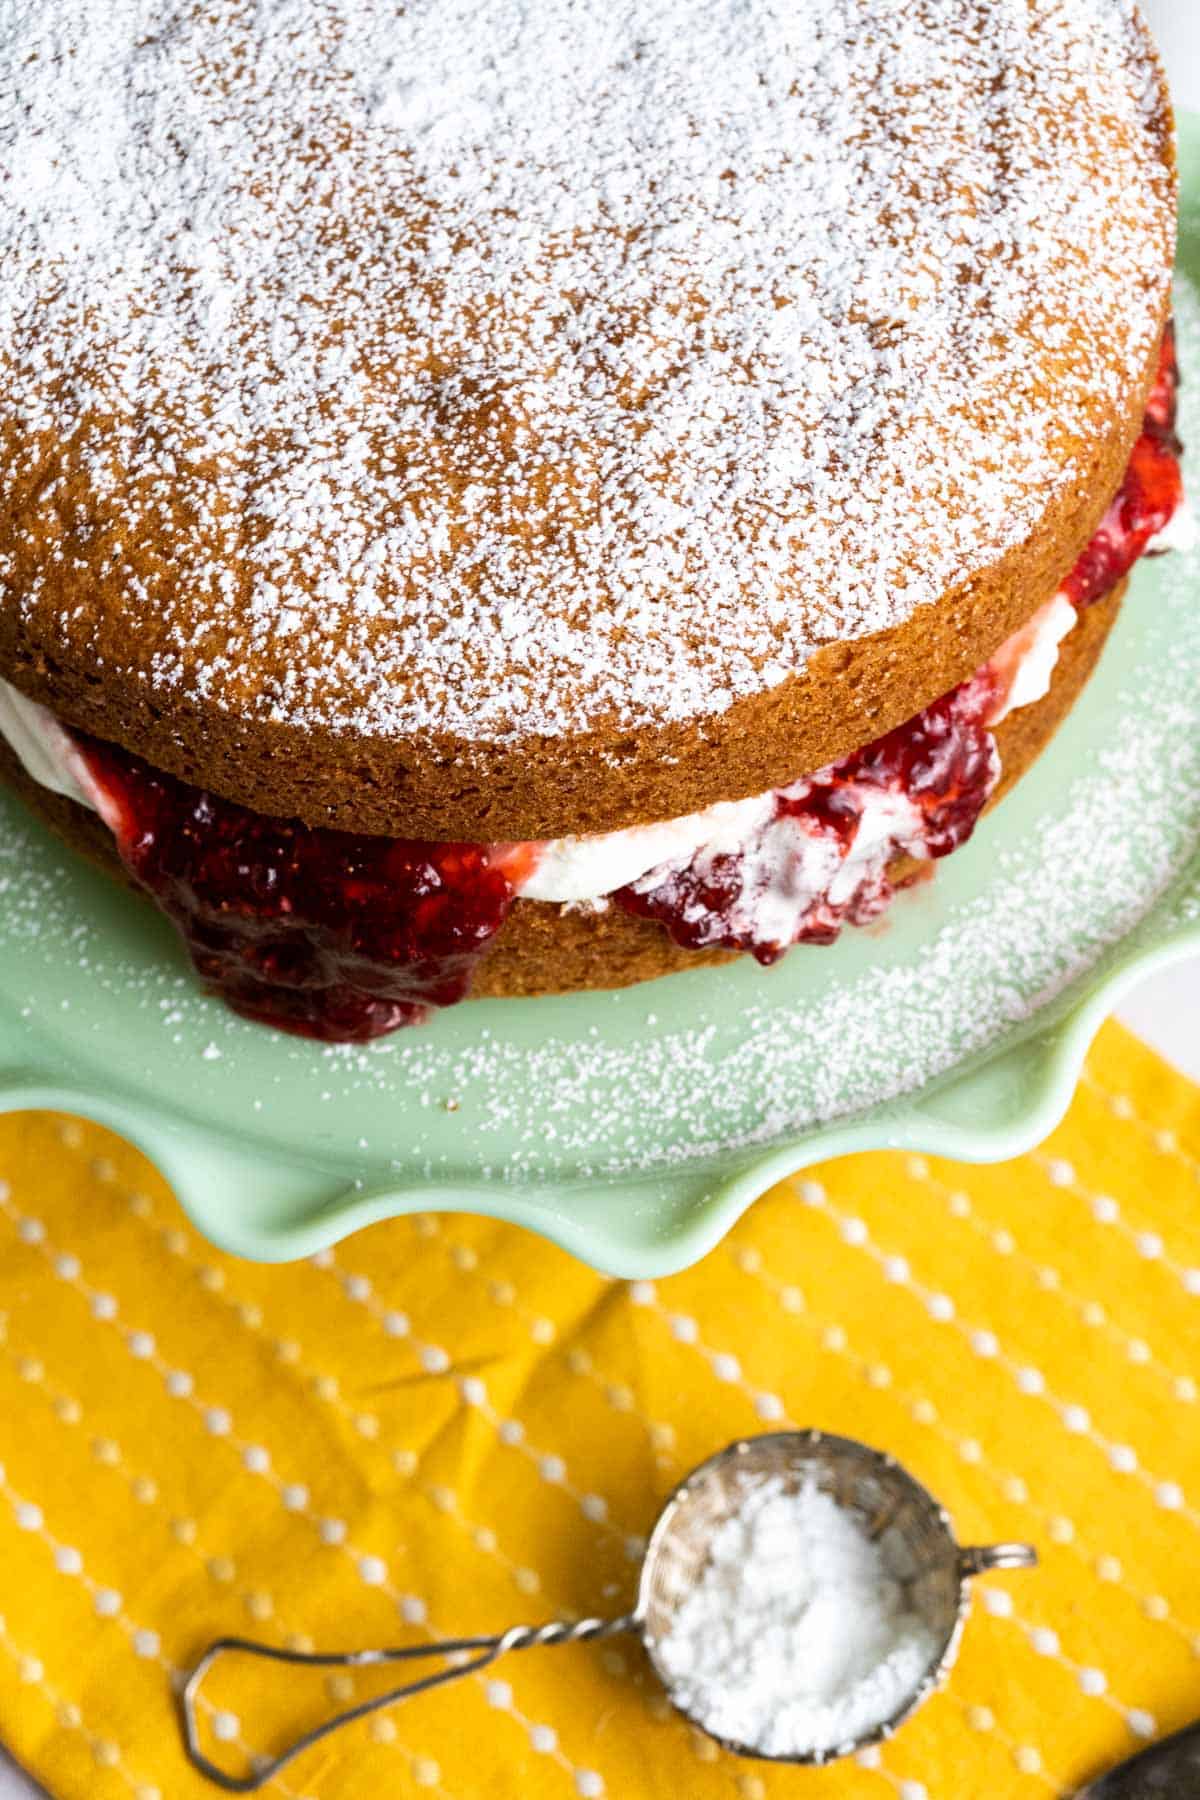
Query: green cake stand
[{"x": 633, "y": 1128}]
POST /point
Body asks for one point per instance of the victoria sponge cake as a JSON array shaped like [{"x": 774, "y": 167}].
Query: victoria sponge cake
[{"x": 503, "y": 499}]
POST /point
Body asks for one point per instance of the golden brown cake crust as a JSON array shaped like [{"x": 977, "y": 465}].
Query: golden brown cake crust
[
  {"x": 201, "y": 591},
  {"x": 543, "y": 949},
  {"x": 849, "y": 695}
]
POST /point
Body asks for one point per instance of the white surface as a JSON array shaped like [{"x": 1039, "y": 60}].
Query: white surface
[
  {"x": 1166, "y": 1010},
  {"x": 1177, "y": 26},
  {"x": 13, "y": 1785}
]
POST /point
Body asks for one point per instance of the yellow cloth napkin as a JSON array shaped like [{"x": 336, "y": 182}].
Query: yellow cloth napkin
[{"x": 448, "y": 1426}]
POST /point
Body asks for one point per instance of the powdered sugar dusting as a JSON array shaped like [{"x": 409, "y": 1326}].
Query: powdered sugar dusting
[
  {"x": 496, "y": 369},
  {"x": 797, "y": 1638}
]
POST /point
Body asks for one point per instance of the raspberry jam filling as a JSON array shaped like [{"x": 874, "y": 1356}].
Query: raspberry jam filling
[
  {"x": 1150, "y": 496},
  {"x": 323, "y": 933},
  {"x": 343, "y": 937},
  {"x": 806, "y": 871}
]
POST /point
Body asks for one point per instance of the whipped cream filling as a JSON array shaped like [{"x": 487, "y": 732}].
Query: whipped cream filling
[
  {"x": 1026, "y": 662},
  {"x": 576, "y": 869},
  {"x": 579, "y": 870},
  {"x": 47, "y": 751}
]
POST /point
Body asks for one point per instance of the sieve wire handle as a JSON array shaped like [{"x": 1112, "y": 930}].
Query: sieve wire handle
[
  {"x": 978, "y": 1559},
  {"x": 479, "y": 1653}
]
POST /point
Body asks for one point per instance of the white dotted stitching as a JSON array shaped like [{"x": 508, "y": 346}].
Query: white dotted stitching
[
  {"x": 1183, "y": 1387},
  {"x": 109, "y": 1605},
  {"x": 105, "y": 1750},
  {"x": 971, "y": 1712},
  {"x": 1105, "y": 1210},
  {"x": 401, "y": 1601},
  {"x": 1092, "y": 1681},
  {"x": 332, "y": 1531},
  {"x": 146, "y": 1643},
  {"x": 1074, "y": 1418},
  {"x": 1012, "y": 1487},
  {"x": 1122, "y": 1107},
  {"x": 510, "y": 1432}
]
